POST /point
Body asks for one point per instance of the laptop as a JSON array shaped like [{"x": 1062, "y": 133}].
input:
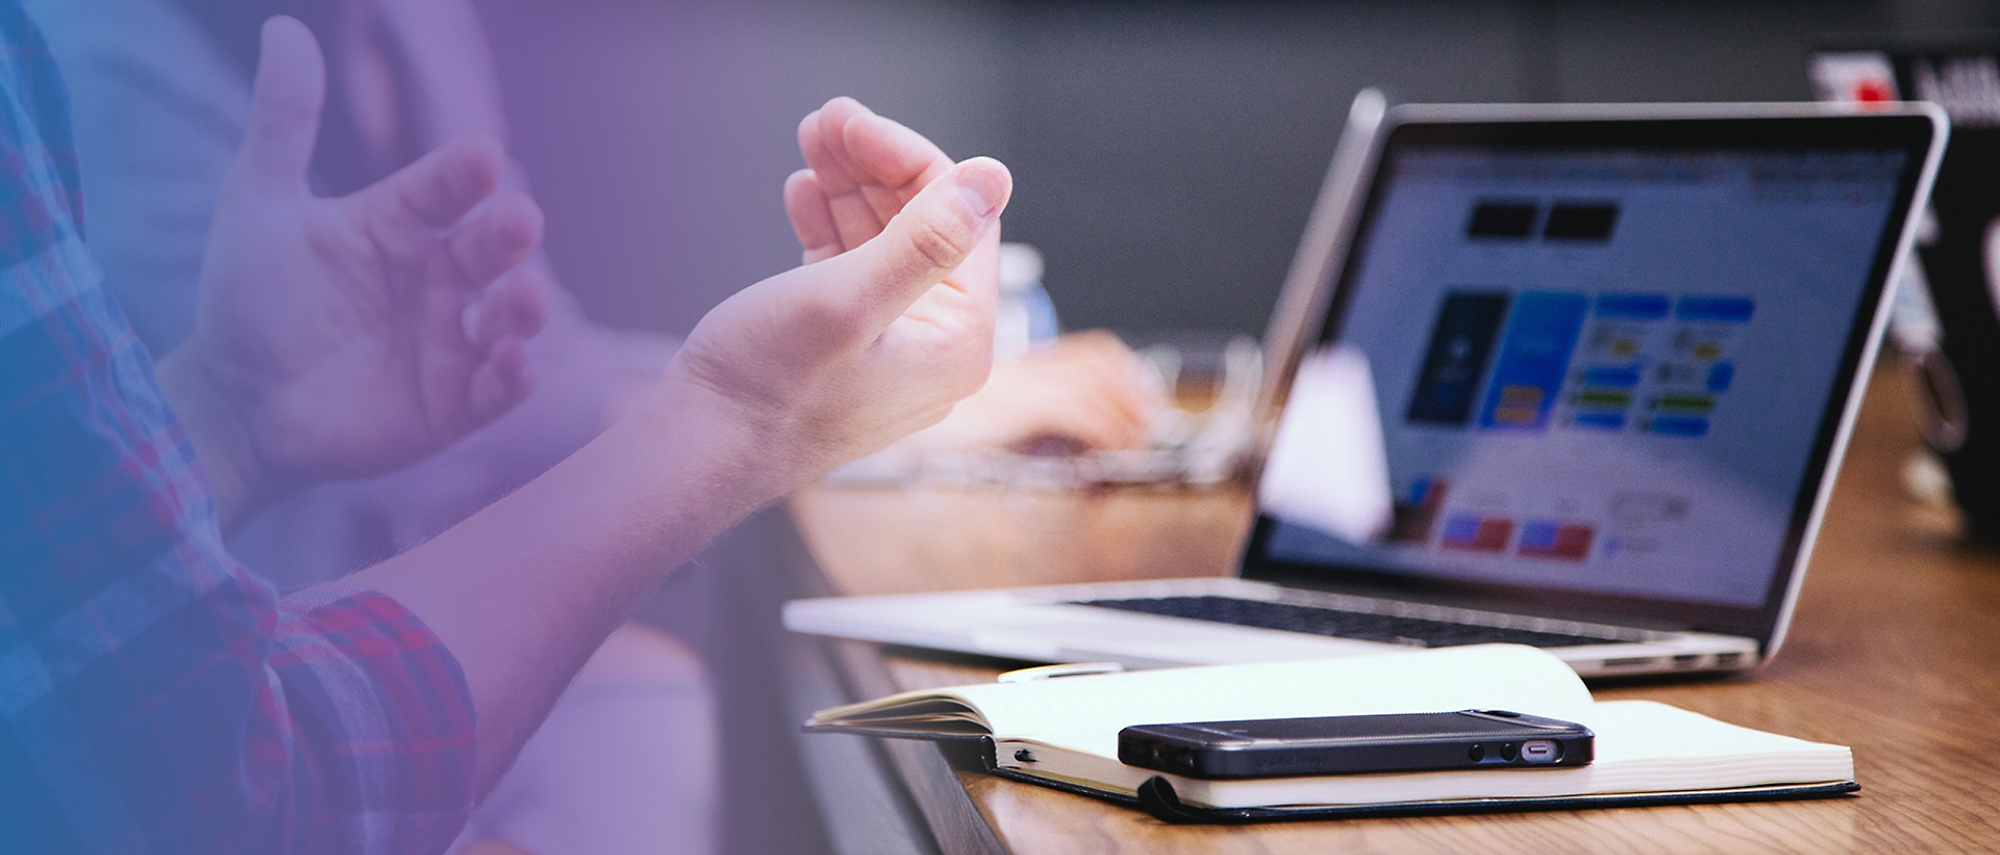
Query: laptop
[{"x": 1613, "y": 355}]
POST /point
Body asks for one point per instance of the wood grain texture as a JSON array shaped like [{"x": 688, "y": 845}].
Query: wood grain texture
[{"x": 1893, "y": 651}]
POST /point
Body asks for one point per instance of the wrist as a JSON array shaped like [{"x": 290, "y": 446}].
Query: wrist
[
  {"x": 721, "y": 447},
  {"x": 222, "y": 442}
]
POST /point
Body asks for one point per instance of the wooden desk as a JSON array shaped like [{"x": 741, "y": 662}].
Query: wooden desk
[{"x": 1892, "y": 651}]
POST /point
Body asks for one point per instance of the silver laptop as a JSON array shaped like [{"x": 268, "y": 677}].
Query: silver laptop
[{"x": 1613, "y": 355}]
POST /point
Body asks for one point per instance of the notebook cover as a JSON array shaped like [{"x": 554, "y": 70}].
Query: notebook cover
[{"x": 1156, "y": 796}]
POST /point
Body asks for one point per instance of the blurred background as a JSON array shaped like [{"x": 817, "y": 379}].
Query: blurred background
[{"x": 1166, "y": 153}]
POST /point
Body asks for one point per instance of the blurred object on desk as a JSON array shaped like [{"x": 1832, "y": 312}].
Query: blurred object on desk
[
  {"x": 1327, "y": 467},
  {"x": 1032, "y": 426},
  {"x": 1026, "y": 318},
  {"x": 920, "y": 536}
]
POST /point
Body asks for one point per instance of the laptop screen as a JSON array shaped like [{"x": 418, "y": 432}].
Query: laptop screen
[{"x": 1607, "y": 375}]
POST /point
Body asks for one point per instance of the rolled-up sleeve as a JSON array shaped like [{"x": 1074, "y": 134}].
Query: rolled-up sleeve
[{"x": 154, "y": 696}]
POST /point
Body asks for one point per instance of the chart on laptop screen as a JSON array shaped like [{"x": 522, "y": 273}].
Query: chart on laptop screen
[{"x": 1604, "y": 371}]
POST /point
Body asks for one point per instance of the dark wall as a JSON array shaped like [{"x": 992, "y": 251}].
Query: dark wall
[{"x": 1166, "y": 153}]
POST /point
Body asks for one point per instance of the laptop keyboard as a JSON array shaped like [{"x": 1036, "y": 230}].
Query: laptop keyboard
[{"x": 1365, "y": 626}]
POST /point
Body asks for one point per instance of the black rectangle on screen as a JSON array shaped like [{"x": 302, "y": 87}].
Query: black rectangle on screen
[
  {"x": 1502, "y": 219},
  {"x": 1591, "y": 221}
]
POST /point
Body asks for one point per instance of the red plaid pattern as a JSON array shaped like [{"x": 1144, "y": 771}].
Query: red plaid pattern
[{"x": 155, "y": 697}]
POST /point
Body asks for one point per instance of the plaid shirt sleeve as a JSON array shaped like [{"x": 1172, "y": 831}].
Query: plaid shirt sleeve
[{"x": 154, "y": 697}]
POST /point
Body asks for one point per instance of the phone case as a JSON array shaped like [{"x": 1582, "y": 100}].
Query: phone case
[{"x": 1341, "y": 745}]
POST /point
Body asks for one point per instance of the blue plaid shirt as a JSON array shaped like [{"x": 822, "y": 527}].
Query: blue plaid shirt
[{"x": 154, "y": 697}]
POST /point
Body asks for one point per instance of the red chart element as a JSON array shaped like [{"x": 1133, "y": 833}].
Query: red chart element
[
  {"x": 1565, "y": 541},
  {"x": 1477, "y": 534}
]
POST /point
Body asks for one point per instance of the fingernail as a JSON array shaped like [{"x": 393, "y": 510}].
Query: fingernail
[{"x": 983, "y": 186}]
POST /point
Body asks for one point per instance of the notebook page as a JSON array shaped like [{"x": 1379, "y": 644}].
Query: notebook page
[{"x": 1086, "y": 713}]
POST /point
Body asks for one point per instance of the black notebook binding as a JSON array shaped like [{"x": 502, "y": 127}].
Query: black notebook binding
[{"x": 1156, "y": 797}]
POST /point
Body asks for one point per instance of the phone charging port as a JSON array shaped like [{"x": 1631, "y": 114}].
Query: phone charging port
[{"x": 1540, "y": 751}]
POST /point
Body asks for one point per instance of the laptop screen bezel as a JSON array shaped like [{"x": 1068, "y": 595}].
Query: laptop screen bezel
[{"x": 1911, "y": 132}]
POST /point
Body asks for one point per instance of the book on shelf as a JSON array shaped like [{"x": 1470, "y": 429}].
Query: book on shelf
[{"x": 1063, "y": 732}]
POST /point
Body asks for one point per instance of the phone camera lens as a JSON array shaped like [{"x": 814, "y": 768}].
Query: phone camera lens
[
  {"x": 1477, "y": 753},
  {"x": 1509, "y": 751}
]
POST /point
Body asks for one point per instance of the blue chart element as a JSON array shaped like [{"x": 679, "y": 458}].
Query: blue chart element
[
  {"x": 1679, "y": 426},
  {"x": 1720, "y": 375},
  {"x": 1538, "y": 534},
  {"x": 1731, "y": 310},
  {"x": 1633, "y": 307},
  {"x": 1599, "y": 421},
  {"x": 1461, "y": 529},
  {"x": 1534, "y": 360},
  {"x": 1612, "y": 376},
  {"x": 1455, "y": 363}
]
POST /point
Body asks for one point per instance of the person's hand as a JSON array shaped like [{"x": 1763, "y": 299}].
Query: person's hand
[
  {"x": 340, "y": 338},
  {"x": 861, "y": 169},
  {"x": 857, "y": 348},
  {"x": 1086, "y": 392}
]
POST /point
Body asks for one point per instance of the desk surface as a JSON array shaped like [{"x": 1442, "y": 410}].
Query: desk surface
[{"x": 1892, "y": 651}]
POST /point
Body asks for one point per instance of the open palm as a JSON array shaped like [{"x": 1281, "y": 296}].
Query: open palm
[{"x": 353, "y": 336}]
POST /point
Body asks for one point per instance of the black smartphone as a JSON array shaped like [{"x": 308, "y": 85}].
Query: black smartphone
[{"x": 1350, "y": 744}]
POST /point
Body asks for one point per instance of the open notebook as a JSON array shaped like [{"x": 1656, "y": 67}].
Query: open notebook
[{"x": 1063, "y": 732}]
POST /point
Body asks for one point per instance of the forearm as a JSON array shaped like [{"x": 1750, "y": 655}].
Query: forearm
[{"x": 524, "y": 591}]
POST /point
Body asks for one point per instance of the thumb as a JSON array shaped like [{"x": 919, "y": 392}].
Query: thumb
[
  {"x": 928, "y": 240},
  {"x": 284, "y": 106}
]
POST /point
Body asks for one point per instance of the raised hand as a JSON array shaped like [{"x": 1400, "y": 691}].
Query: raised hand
[
  {"x": 340, "y": 338},
  {"x": 776, "y": 386},
  {"x": 835, "y": 359},
  {"x": 1085, "y": 393}
]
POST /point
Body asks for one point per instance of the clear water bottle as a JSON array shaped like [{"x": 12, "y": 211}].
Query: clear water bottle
[{"x": 1027, "y": 317}]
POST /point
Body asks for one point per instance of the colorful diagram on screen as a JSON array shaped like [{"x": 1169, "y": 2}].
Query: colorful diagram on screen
[
  {"x": 1565, "y": 364},
  {"x": 1421, "y": 522},
  {"x": 1651, "y": 363}
]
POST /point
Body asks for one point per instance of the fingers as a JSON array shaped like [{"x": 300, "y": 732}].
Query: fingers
[
  {"x": 1118, "y": 376},
  {"x": 1099, "y": 418},
  {"x": 450, "y": 192},
  {"x": 436, "y": 191},
  {"x": 515, "y": 308},
  {"x": 822, "y": 138},
  {"x": 498, "y": 238},
  {"x": 284, "y": 106},
  {"x": 812, "y": 220},
  {"x": 891, "y": 157},
  {"x": 1089, "y": 424},
  {"x": 500, "y": 382},
  {"x": 932, "y": 236},
  {"x": 1086, "y": 390},
  {"x": 868, "y": 166},
  {"x": 496, "y": 326},
  {"x": 1067, "y": 399}
]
